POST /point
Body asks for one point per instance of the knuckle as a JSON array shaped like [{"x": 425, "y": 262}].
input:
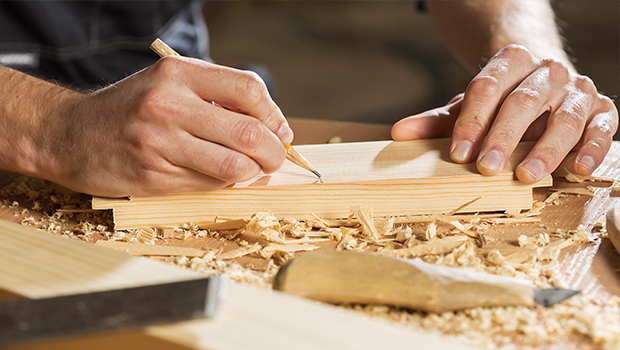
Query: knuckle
[
  {"x": 568, "y": 120},
  {"x": 252, "y": 87},
  {"x": 152, "y": 102},
  {"x": 248, "y": 134},
  {"x": 605, "y": 123},
  {"x": 551, "y": 153},
  {"x": 233, "y": 167},
  {"x": 517, "y": 51},
  {"x": 166, "y": 67},
  {"x": 585, "y": 84},
  {"x": 475, "y": 125},
  {"x": 484, "y": 86},
  {"x": 526, "y": 98},
  {"x": 556, "y": 68}
]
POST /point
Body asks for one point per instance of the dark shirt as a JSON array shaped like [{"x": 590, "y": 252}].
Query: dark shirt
[{"x": 88, "y": 44}]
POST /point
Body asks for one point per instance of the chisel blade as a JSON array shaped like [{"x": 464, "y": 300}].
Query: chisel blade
[
  {"x": 552, "y": 296},
  {"x": 25, "y": 320}
]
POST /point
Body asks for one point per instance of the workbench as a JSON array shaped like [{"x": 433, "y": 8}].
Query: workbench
[{"x": 593, "y": 268}]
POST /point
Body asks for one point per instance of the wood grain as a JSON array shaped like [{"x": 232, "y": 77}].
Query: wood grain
[
  {"x": 37, "y": 264},
  {"x": 392, "y": 178}
]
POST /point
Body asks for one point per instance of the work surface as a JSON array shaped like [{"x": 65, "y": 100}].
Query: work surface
[{"x": 591, "y": 267}]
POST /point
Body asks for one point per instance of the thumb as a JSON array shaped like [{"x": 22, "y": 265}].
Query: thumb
[{"x": 433, "y": 123}]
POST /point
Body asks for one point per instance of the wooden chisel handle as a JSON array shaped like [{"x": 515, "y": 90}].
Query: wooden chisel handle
[
  {"x": 366, "y": 278},
  {"x": 613, "y": 226}
]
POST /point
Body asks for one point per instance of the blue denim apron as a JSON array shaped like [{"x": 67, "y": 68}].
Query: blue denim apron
[{"x": 88, "y": 44}]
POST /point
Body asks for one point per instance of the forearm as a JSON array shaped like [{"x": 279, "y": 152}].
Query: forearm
[
  {"x": 476, "y": 29},
  {"x": 27, "y": 108}
]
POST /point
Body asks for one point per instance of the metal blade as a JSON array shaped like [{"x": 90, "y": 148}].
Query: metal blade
[
  {"x": 552, "y": 296},
  {"x": 36, "y": 319}
]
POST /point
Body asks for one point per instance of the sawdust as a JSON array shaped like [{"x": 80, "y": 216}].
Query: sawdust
[{"x": 449, "y": 239}]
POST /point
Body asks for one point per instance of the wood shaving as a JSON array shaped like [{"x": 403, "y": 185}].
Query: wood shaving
[
  {"x": 570, "y": 177},
  {"x": 268, "y": 251},
  {"x": 431, "y": 231},
  {"x": 589, "y": 323},
  {"x": 403, "y": 234},
  {"x": 146, "y": 235},
  {"x": 366, "y": 219},
  {"x": 588, "y": 191},
  {"x": 594, "y": 323},
  {"x": 239, "y": 252},
  {"x": 434, "y": 247},
  {"x": 266, "y": 226}
]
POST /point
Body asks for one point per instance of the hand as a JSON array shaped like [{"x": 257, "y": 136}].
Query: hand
[
  {"x": 160, "y": 131},
  {"x": 518, "y": 96}
]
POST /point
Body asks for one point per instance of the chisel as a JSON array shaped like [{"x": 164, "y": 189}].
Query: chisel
[
  {"x": 368, "y": 278},
  {"x": 26, "y": 320}
]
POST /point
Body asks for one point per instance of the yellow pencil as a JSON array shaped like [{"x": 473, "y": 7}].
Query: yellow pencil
[{"x": 162, "y": 49}]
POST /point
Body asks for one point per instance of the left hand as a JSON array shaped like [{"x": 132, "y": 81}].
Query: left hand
[{"x": 518, "y": 97}]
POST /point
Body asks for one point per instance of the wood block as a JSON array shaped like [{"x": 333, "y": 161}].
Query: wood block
[{"x": 392, "y": 178}]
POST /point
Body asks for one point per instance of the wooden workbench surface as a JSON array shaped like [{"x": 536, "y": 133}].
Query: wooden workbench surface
[{"x": 593, "y": 268}]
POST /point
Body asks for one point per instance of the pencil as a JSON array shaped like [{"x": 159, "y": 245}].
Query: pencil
[{"x": 162, "y": 49}]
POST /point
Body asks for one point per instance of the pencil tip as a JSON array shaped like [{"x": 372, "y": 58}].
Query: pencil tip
[{"x": 317, "y": 175}]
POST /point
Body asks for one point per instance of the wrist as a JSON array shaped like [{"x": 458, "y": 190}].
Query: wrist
[{"x": 29, "y": 118}]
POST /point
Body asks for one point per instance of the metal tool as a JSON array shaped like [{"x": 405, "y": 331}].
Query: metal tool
[
  {"x": 366, "y": 278},
  {"x": 25, "y": 320}
]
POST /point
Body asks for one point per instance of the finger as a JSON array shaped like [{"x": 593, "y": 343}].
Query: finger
[
  {"x": 214, "y": 160},
  {"x": 176, "y": 179},
  {"x": 541, "y": 91},
  {"x": 243, "y": 91},
  {"x": 238, "y": 132},
  {"x": 598, "y": 137},
  {"x": 483, "y": 97},
  {"x": 565, "y": 127},
  {"x": 434, "y": 123}
]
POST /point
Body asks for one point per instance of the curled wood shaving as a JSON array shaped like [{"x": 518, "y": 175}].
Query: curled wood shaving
[
  {"x": 431, "y": 231},
  {"x": 279, "y": 257},
  {"x": 437, "y": 246},
  {"x": 239, "y": 252},
  {"x": 266, "y": 226},
  {"x": 294, "y": 228},
  {"x": 554, "y": 198},
  {"x": 570, "y": 177},
  {"x": 385, "y": 226},
  {"x": 588, "y": 191},
  {"x": 146, "y": 235},
  {"x": 268, "y": 251},
  {"x": 615, "y": 188},
  {"x": 463, "y": 206},
  {"x": 403, "y": 234},
  {"x": 224, "y": 225},
  {"x": 466, "y": 229},
  {"x": 365, "y": 218}
]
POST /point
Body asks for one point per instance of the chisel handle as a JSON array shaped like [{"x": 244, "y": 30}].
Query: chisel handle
[{"x": 367, "y": 278}]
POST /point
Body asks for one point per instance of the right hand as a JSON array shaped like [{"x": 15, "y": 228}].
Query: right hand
[{"x": 159, "y": 131}]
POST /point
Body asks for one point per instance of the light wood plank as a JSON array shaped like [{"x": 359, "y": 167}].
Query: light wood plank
[
  {"x": 37, "y": 264},
  {"x": 392, "y": 178},
  {"x": 142, "y": 249}
]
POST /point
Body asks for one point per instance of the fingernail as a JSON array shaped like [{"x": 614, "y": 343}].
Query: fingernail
[
  {"x": 462, "y": 151},
  {"x": 285, "y": 134},
  {"x": 535, "y": 168},
  {"x": 492, "y": 160},
  {"x": 587, "y": 162}
]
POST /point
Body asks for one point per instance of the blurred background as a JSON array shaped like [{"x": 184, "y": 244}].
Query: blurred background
[{"x": 379, "y": 61}]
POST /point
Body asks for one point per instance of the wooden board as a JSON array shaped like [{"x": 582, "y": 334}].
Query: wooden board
[
  {"x": 37, "y": 264},
  {"x": 392, "y": 178}
]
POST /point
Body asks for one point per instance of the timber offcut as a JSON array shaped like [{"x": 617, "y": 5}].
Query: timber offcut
[{"x": 393, "y": 178}]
